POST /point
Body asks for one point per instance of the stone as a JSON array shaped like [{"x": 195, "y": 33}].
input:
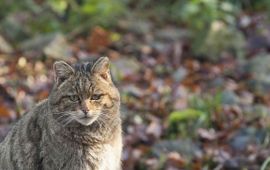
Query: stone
[
  {"x": 222, "y": 39},
  {"x": 172, "y": 34},
  {"x": 259, "y": 68},
  {"x": 58, "y": 48},
  {"x": 183, "y": 147},
  {"x": 180, "y": 74},
  {"x": 138, "y": 26},
  {"x": 124, "y": 67},
  {"x": 247, "y": 136},
  {"x": 53, "y": 45},
  {"x": 5, "y": 47},
  {"x": 229, "y": 97}
]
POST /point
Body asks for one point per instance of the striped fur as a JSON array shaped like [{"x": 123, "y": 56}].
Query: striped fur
[{"x": 77, "y": 128}]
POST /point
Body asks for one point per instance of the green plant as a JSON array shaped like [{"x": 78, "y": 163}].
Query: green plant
[
  {"x": 183, "y": 115},
  {"x": 180, "y": 121},
  {"x": 59, "y": 15},
  {"x": 197, "y": 115},
  {"x": 251, "y": 5},
  {"x": 207, "y": 103}
]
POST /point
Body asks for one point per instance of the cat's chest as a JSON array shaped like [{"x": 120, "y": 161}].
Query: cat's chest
[
  {"x": 108, "y": 158},
  {"x": 105, "y": 158}
]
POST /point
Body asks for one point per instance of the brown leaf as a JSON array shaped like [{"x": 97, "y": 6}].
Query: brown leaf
[
  {"x": 42, "y": 95},
  {"x": 154, "y": 129},
  {"x": 207, "y": 134},
  {"x": 176, "y": 160},
  {"x": 99, "y": 39},
  {"x": 5, "y": 113}
]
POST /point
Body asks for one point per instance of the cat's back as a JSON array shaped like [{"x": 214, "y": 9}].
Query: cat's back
[{"x": 20, "y": 147}]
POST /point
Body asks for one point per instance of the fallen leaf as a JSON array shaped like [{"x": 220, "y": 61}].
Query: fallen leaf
[
  {"x": 99, "y": 39},
  {"x": 175, "y": 159}
]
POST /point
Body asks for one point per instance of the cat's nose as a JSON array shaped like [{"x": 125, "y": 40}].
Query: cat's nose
[
  {"x": 85, "y": 111},
  {"x": 84, "y": 108}
]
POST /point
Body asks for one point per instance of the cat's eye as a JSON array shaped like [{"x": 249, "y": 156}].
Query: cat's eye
[
  {"x": 96, "y": 96},
  {"x": 74, "y": 98}
]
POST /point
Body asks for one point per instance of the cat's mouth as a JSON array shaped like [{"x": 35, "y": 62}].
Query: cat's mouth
[{"x": 86, "y": 117}]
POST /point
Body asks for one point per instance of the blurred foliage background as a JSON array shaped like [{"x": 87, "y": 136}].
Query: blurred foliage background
[{"x": 194, "y": 75}]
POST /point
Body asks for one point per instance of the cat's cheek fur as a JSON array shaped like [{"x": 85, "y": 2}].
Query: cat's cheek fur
[{"x": 107, "y": 102}]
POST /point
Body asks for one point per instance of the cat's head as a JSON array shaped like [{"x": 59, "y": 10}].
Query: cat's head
[{"x": 84, "y": 94}]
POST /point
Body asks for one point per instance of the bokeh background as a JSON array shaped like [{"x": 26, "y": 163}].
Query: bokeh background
[{"x": 194, "y": 75}]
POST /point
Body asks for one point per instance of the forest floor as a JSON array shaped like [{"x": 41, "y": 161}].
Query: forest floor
[{"x": 179, "y": 111}]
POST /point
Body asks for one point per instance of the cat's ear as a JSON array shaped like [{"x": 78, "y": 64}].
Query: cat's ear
[
  {"x": 62, "y": 71},
  {"x": 102, "y": 68}
]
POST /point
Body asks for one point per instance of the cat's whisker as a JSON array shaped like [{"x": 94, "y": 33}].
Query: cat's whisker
[
  {"x": 68, "y": 121},
  {"x": 73, "y": 113},
  {"x": 61, "y": 117},
  {"x": 65, "y": 118},
  {"x": 58, "y": 113},
  {"x": 64, "y": 121}
]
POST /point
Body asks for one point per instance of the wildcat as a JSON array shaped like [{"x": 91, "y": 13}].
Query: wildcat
[{"x": 77, "y": 128}]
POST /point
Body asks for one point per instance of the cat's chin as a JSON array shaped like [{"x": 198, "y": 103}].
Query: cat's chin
[{"x": 85, "y": 121}]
